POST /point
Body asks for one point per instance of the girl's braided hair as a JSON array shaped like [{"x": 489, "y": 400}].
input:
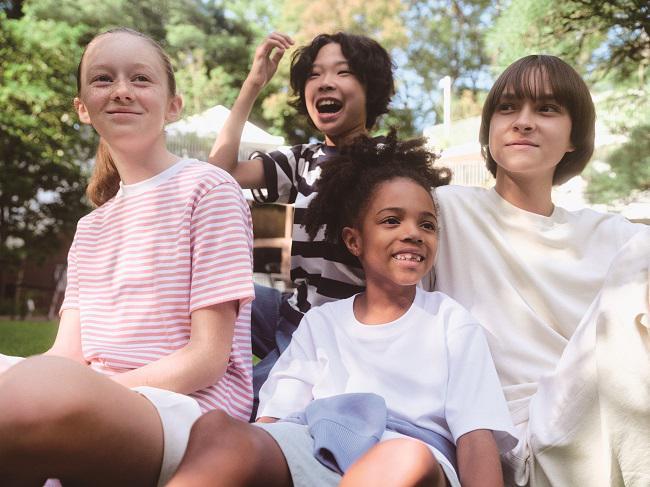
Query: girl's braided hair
[{"x": 348, "y": 180}]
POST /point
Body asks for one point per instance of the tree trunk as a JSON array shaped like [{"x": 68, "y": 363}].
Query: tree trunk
[{"x": 18, "y": 296}]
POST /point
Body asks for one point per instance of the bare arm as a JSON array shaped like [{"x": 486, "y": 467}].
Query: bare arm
[
  {"x": 478, "y": 460},
  {"x": 200, "y": 363},
  {"x": 249, "y": 174},
  {"x": 266, "y": 419},
  {"x": 68, "y": 337}
]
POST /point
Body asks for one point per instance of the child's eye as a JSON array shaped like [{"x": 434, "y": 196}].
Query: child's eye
[
  {"x": 427, "y": 225},
  {"x": 101, "y": 78},
  {"x": 141, "y": 78},
  {"x": 550, "y": 108},
  {"x": 391, "y": 220},
  {"x": 345, "y": 72},
  {"x": 505, "y": 107},
  {"x": 312, "y": 75}
]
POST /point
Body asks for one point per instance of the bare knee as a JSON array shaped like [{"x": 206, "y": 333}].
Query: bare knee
[
  {"x": 399, "y": 462},
  {"x": 216, "y": 430},
  {"x": 223, "y": 451},
  {"x": 36, "y": 395},
  {"x": 215, "y": 450}
]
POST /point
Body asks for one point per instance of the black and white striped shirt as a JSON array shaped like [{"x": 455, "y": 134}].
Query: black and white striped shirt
[{"x": 321, "y": 271}]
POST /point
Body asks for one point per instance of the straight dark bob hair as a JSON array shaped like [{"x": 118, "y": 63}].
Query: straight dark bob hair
[
  {"x": 526, "y": 78},
  {"x": 368, "y": 60}
]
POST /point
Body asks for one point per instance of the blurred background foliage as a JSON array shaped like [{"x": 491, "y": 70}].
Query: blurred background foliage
[{"x": 43, "y": 148}]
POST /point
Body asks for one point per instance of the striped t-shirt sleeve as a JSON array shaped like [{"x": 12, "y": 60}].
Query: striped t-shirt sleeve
[
  {"x": 221, "y": 246},
  {"x": 282, "y": 169},
  {"x": 71, "y": 299}
]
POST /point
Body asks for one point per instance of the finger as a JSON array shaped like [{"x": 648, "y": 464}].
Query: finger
[
  {"x": 264, "y": 49},
  {"x": 284, "y": 39},
  {"x": 277, "y": 55}
]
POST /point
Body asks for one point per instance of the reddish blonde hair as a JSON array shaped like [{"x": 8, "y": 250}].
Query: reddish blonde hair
[{"x": 105, "y": 180}]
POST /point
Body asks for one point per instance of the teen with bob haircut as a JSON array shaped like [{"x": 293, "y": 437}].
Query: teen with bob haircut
[
  {"x": 562, "y": 294},
  {"x": 342, "y": 83},
  {"x": 408, "y": 368}
]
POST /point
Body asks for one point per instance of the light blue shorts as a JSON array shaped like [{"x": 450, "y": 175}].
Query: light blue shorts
[{"x": 297, "y": 445}]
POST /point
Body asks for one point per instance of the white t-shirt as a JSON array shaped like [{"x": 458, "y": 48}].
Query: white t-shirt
[
  {"x": 528, "y": 279},
  {"x": 432, "y": 366}
]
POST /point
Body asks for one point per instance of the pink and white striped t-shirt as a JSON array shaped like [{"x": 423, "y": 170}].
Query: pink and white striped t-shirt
[{"x": 141, "y": 263}]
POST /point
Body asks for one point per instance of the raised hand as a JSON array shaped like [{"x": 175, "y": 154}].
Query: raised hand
[{"x": 267, "y": 57}]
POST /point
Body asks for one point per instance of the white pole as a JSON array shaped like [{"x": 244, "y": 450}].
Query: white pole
[{"x": 445, "y": 84}]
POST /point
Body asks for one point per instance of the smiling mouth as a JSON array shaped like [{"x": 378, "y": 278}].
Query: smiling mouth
[
  {"x": 408, "y": 257},
  {"x": 121, "y": 112},
  {"x": 329, "y": 106},
  {"x": 522, "y": 144}
]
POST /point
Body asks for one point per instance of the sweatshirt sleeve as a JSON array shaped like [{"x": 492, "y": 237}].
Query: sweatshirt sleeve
[
  {"x": 289, "y": 387},
  {"x": 474, "y": 396}
]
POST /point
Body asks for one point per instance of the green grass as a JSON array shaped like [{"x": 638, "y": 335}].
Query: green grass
[{"x": 23, "y": 338}]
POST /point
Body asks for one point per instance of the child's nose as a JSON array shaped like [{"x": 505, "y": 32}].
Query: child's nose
[
  {"x": 525, "y": 121},
  {"x": 412, "y": 233},
  {"x": 326, "y": 82},
  {"x": 122, "y": 90}
]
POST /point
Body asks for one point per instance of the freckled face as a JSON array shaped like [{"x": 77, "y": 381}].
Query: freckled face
[{"x": 124, "y": 90}]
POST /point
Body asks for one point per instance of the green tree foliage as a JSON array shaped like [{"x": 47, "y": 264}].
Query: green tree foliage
[
  {"x": 43, "y": 149},
  {"x": 627, "y": 169},
  {"x": 608, "y": 42},
  {"x": 210, "y": 50},
  {"x": 40, "y": 142},
  {"x": 447, "y": 39},
  {"x": 598, "y": 37},
  {"x": 13, "y": 9},
  {"x": 622, "y": 26}
]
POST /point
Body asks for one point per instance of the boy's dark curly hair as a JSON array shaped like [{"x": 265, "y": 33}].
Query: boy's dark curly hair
[
  {"x": 369, "y": 62},
  {"x": 348, "y": 180}
]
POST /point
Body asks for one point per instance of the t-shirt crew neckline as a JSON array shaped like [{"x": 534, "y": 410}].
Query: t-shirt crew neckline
[
  {"x": 153, "y": 182},
  {"x": 508, "y": 209},
  {"x": 383, "y": 330}
]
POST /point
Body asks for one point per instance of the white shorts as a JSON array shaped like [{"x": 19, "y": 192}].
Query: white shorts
[{"x": 177, "y": 414}]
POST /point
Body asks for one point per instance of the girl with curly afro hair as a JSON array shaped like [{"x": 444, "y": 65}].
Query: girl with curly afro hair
[{"x": 355, "y": 365}]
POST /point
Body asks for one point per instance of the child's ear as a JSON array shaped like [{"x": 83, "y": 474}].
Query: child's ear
[
  {"x": 174, "y": 108},
  {"x": 352, "y": 240},
  {"x": 81, "y": 110}
]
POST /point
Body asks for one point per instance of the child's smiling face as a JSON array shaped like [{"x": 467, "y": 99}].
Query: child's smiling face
[
  {"x": 124, "y": 91},
  {"x": 530, "y": 136},
  {"x": 334, "y": 96},
  {"x": 396, "y": 239}
]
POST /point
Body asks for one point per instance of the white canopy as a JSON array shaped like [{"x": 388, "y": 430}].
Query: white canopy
[{"x": 208, "y": 124}]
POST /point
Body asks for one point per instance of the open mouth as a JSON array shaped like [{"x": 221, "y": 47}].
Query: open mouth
[
  {"x": 408, "y": 257},
  {"x": 328, "y": 105}
]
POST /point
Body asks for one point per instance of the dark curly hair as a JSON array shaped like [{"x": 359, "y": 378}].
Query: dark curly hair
[
  {"x": 347, "y": 181},
  {"x": 369, "y": 62}
]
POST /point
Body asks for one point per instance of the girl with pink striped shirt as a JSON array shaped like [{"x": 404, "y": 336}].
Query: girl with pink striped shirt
[{"x": 155, "y": 325}]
